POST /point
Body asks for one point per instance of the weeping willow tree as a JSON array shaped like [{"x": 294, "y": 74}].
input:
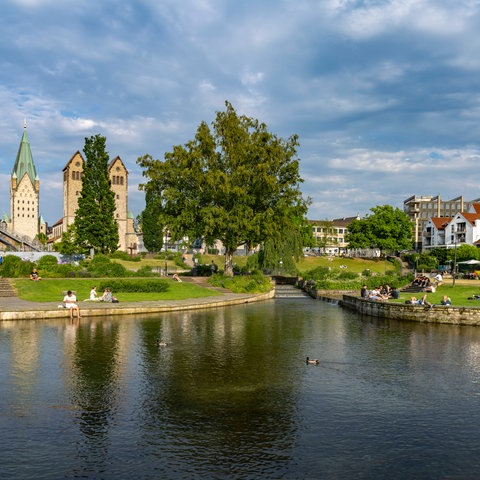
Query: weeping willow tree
[{"x": 280, "y": 253}]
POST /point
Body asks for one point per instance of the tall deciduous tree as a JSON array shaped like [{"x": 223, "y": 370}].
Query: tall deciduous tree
[
  {"x": 152, "y": 228},
  {"x": 95, "y": 224},
  {"x": 235, "y": 182},
  {"x": 387, "y": 228}
]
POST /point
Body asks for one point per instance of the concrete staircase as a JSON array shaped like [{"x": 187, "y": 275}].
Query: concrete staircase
[
  {"x": 289, "y": 291},
  {"x": 412, "y": 289},
  {"x": 6, "y": 289}
]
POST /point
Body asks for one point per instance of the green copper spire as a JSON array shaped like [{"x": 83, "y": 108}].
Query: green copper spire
[{"x": 24, "y": 162}]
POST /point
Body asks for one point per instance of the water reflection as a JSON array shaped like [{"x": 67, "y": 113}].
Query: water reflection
[{"x": 231, "y": 396}]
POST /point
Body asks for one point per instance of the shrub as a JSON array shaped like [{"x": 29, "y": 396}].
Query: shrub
[
  {"x": 145, "y": 286},
  {"x": 107, "y": 269},
  {"x": 256, "y": 283},
  {"x": 348, "y": 276},
  {"x": 125, "y": 256},
  {"x": 13, "y": 266},
  {"x": 47, "y": 261},
  {"x": 145, "y": 271}
]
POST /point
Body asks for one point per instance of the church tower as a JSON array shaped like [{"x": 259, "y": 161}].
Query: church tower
[
  {"x": 24, "y": 192},
  {"x": 119, "y": 179},
  {"x": 72, "y": 186}
]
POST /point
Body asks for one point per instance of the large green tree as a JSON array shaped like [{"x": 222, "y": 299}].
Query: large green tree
[
  {"x": 235, "y": 182},
  {"x": 95, "y": 225},
  {"x": 386, "y": 228},
  {"x": 152, "y": 228}
]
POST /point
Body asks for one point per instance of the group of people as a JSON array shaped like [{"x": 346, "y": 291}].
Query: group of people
[
  {"x": 70, "y": 300},
  {"x": 106, "y": 297},
  {"x": 421, "y": 281},
  {"x": 379, "y": 294},
  {"x": 423, "y": 301}
]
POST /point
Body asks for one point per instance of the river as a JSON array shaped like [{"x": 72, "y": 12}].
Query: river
[{"x": 231, "y": 397}]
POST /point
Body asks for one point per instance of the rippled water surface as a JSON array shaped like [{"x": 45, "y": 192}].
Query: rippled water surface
[{"x": 231, "y": 397}]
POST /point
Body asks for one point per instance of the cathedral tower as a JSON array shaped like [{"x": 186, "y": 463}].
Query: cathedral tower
[{"x": 24, "y": 192}]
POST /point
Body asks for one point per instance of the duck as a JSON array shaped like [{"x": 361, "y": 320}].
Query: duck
[
  {"x": 161, "y": 344},
  {"x": 312, "y": 361}
]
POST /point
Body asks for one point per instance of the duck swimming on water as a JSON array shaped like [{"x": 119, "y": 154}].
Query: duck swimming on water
[
  {"x": 161, "y": 344},
  {"x": 312, "y": 361}
]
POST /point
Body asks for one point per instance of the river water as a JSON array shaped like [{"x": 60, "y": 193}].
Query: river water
[{"x": 231, "y": 397}]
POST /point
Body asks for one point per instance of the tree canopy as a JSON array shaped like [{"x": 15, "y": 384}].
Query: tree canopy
[
  {"x": 95, "y": 225},
  {"x": 387, "y": 228},
  {"x": 152, "y": 229},
  {"x": 235, "y": 182}
]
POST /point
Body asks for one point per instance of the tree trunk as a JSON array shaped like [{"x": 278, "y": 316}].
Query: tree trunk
[{"x": 228, "y": 267}]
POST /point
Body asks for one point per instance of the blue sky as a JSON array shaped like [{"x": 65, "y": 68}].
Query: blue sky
[{"x": 384, "y": 95}]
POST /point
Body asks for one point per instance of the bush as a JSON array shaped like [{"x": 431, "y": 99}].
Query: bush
[
  {"x": 255, "y": 283},
  {"x": 102, "y": 266},
  {"x": 348, "y": 276},
  {"x": 125, "y": 256},
  {"x": 46, "y": 262},
  {"x": 13, "y": 267},
  {"x": 145, "y": 271},
  {"x": 136, "y": 286}
]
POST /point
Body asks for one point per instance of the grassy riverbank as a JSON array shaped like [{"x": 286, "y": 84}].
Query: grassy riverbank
[
  {"x": 459, "y": 294},
  {"x": 50, "y": 290}
]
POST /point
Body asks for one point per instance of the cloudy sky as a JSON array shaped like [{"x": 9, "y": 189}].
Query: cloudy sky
[{"x": 384, "y": 95}]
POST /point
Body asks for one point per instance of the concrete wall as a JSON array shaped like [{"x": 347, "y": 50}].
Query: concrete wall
[{"x": 395, "y": 311}]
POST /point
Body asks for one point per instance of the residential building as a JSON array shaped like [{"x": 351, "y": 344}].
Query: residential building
[
  {"x": 420, "y": 208},
  {"x": 330, "y": 234},
  {"x": 463, "y": 228}
]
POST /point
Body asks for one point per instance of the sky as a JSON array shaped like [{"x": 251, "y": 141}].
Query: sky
[{"x": 384, "y": 95}]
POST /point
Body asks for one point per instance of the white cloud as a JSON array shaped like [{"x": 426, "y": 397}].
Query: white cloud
[{"x": 383, "y": 94}]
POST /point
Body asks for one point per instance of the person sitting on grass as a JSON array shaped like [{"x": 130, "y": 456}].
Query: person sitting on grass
[
  {"x": 93, "y": 295},
  {"x": 423, "y": 301},
  {"x": 70, "y": 302},
  {"x": 446, "y": 300},
  {"x": 35, "y": 276},
  {"x": 107, "y": 296}
]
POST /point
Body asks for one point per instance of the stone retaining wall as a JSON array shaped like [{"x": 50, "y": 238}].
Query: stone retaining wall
[{"x": 414, "y": 313}]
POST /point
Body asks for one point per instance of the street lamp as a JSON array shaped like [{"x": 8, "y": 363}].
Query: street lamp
[
  {"x": 454, "y": 253},
  {"x": 281, "y": 266},
  {"x": 166, "y": 253}
]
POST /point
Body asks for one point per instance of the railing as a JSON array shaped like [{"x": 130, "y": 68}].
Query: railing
[{"x": 20, "y": 239}]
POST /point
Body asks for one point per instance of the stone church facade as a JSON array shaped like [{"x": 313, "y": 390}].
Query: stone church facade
[
  {"x": 24, "y": 193},
  {"x": 72, "y": 186},
  {"x": 25, "y": 220}
]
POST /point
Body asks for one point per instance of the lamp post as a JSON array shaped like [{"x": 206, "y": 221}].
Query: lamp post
[
  {"x": 454, "y": 254},
  {"x": 166, "y": 253},
  {"x": 281, "y": 266}
]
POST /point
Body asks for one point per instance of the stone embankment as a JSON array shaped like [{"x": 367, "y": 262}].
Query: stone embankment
[
  {"x": 14, "y": 308},
  {"x": 414, "y": 313}
]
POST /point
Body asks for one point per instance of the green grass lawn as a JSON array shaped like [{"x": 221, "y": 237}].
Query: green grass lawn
[
  {"x": 356, "y": 265},
  {"x": 50, "y": 290},
  {"x": 459, "y": 295}
]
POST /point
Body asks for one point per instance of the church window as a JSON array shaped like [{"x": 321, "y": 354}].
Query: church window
[{"x": 121, "y": 180}]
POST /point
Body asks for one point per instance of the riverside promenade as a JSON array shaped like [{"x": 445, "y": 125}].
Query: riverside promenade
[{"x": 14, "y": 308}]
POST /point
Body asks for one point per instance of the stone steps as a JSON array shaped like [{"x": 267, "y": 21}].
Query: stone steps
[{"x": 6, "y": 289}]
